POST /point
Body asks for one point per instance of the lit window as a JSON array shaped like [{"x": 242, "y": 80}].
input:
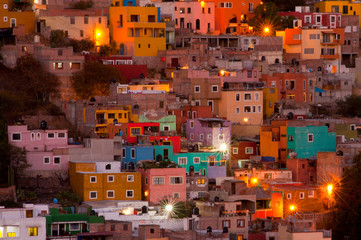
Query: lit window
[{"x": 11, "y": 234}]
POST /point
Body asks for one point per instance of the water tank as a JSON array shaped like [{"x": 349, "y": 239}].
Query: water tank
[{"x": 43, "y": 125}]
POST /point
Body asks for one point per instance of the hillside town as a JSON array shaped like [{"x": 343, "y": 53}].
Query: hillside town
[{"x": 183, "y": 119}]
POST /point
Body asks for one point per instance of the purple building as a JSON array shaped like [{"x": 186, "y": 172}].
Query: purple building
[{"x": 209, "y": 131}]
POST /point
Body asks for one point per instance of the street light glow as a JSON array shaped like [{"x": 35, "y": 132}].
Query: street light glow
[
  {"x": 254, "y": 181},
  {"x": 223, "y": 147},
  {"x": 329, "y": 189},
  {"x": 293, "y": 208},
  {"x": 168, "y": 208},
  {"x": 266, "y": 29}
]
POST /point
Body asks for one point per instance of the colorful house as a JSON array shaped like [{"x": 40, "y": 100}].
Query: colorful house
[
  {"x": 213, "y": 132},
  {"x": 137, "y": 30},
  {"x": 348, "y": 131},
  {"x": 270, "y": 101},
  {"x": 64, "y": 222},
  {"x": 133, "y": 154},
  {"x": 104, "y": 117},
  {"x": 241, "y": 153},
  {"x": 164, "y": 183},
  {"x": 305, "y": 142},
  {"x": 130, "y": 131},
  {"x": 15, "y": 15},
  {"x": 344, "y": 7},
  {"x": 97, "y": 181},
  {"x": 243, "y": 106},
  {"x": 194, "y": 16},
  {"x": 167, "y": 123},
  {"x": 230, "y": 16},
  {"x": 47, "y": 149}
]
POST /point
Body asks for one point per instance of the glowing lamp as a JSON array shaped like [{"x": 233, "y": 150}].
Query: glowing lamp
[
  {"x": 329, "y": 189},
  {"x": 146, "y": 193},
  {"x": 245, "y": 119},
  {"x": 266, "y": 29},
  {"x": 168, "y": 208},
  {"x": 254, "y": 181},
  {"x": 202, "y": 3},
  {"x": 222, "y": 72},
  {"x": 223, "y": 147},
  {"x": 292, "y": 208}
]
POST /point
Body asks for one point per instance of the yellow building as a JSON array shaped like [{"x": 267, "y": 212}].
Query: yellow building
[
  {"x": 97, "y": 181},
  {"x": 344, "y": 7},
  {"x": 124, "y": 88},
  {"x": 81, "y": 27},
  {"x": 243, "y": 106},
  {"x": 13, "y": 16},
  {"x": 104, "y": 117},
  {"x": 270, "y": 98},
  {"x": 138, "y": 29}
]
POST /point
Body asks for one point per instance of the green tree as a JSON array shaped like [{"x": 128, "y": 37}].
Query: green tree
[
  {"x": 38, "y": 83},
  {"x": 346, "y": 219},
  {"x": 94, "y": 79},
  {"x": 287, "y": 6},
  {"x": 18, "y": 163},
  {"x": 350, "y": 106},
  {"x": 68, "y": 199},
  {"x": 57, "y": 38},
  {"x": 266, "y": 16},
  {"x": 82, "y": 45}
]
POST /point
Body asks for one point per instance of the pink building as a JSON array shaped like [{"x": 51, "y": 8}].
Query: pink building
[
  {"x": 47, "y": 150},
  {"x": 194, "y": 16},
  {"x": 164, "y": 183}
]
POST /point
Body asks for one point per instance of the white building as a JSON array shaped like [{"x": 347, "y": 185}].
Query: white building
[{"x": 24, "y": 223}]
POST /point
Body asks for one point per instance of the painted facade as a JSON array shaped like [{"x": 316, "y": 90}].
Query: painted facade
[
  {"x": 101, "y": 181},
  {"x": 167, "y": 123},
  {"x": 270, "y": 100},
  {"x": 164, "y": 183},
  {"x": 241, "y": 152},
  {"x": 137, "y": 30},
  {"x": 13, "y": 16},
  {"x": 245, "y": 107},
  {"x": 104, "y": 117},
  {"x": 133, "y": 154}
]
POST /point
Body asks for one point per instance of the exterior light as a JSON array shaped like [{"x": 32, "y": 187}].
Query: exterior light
[
  {"x": 254, "y": 181},
  {"x": 223, "y": 147},
  {"x": 146, "y": 193},
  {"x": 202, "y": 3},
  {"x": 222, "y": 72},
  {"x": 168, "y": 208},
  {"x": 329, "y": 189},
  {"x": 245, "y": 119},
  {"x": 266, "y": 30},
  {"x": 98, "y": 34},
  {"x": 293, "y": 208}
]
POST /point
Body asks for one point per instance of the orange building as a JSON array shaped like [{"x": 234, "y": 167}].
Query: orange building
[{"x": 231, "y": 16}]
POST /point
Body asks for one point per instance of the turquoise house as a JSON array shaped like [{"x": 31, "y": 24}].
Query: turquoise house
[
  {"x": 167, "y": 123},
  {"x": 198, "y": 161},
  {"x": 165, "y": 151},
  {"x": 305, "y": 142}
]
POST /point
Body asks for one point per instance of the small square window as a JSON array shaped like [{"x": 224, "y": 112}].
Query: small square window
[
  {"x": 93, "y": 179},
  {"x": 110, "y": 178},
  {"x": 5, "y": 6},
  {"x": 16, "y": 137},
  {"x": 110, "y": 194},
  {"x": 51, "y": 135},
  {"x": 61, "y": 135},
  {"x": 46, "y": 160},
  {"x": 93, "y": 195},
  {"x": 56, "y": 160},
  {"x": 197, "y": 89},
  {"x": 214, "y": 88},
  {"x": 130, "y": 194},
  {"x": 130, "y": 178},
  {"x": 196, "y": 160},
  {"x": 235, "y": 150},
  {"x": 249, "y": 150}
]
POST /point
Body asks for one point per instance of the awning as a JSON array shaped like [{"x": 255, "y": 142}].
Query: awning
[{"x": 319, "y": 90}]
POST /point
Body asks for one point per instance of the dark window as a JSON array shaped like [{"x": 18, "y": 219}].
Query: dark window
[
  {"x": 345, "y": 9},
  {"x": 125, "y": 227},
  {"x": 108, "y": 166},
  {"x": 161, "y": 104},
  {"x": 151, "y": 18},
  {"x": 99, "y": 20},
  {"x": 60, "y": 52},
  {"x": 72, "y": 20},
  {"x": 189, "y": 10},
  {"x": 86, "y": 19},
  {"x": 152, "y": 230},
  {"x": 120, "y": 20},
  {"x": 198, "y": 24},
  {"x": 112, "y": 227}
]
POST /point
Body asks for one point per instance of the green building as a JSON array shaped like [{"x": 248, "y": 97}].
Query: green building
[{"x": 167, "y": 123}]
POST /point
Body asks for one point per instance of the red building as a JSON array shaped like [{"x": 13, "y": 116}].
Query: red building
[
  {"x": 189, "y": 112},
  {"x": 308, "y": 19},
  {"x": 291, "y": 86},
  {"x": 303, "y": 170},
  {"x": 241, "y": 152}
]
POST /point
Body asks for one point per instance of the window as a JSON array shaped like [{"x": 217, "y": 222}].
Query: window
[
  {"x": 5, "y": 19},
  {"x": 259, "y": 109},
  {"x": 93, "y": 179},
  {"x": 220, "y": 137},
  {"x": 302, "y": 195},
  {"x": 203, "y": 10},
  {"x": 210, "y": 103},
  {"x": 132, "y": 153},
  {"x": 51, "y": 135},
  {"x": 61, "y": 135},
  {"x": 202, "y": 194},
  {"x": 310, "y": 137},
  {"x": 11, "y": 234},
  {"x": 110, "y": 178},
  {"x": 250, "y": 7},
  {"x": 214, "y": 88},
  {"x": 247, "y": 109},
  {"x": 134, "y": 18},
  {"x": 308, "y": 51},
  {"x": 311, "y": 194},
  {"x": 182, "y": 10},
  {"x": 74, "y": 226},
  {"x": 158, "y": 180},
  {"x": 201, "y": 137},
  {"x": 209, "y": 136},
  {"x": 352, "y": 127},
  {"x": 307, "y": 19},
  {"x": 56, "y": 160},
  {"x": 191, "y": 123},
  {"x": 249, "y": 150},
  {"x": 110, "y": 194},
  {"x": 5, "y": 6},
  {"x": 166, "y": 128},
  {"x": 256, "y": 96},
  {"x": 29, "y": 213},
  {"x": 318, "y": 19},
  {"x": 182, "y": 160},
  {"x": 176, "y": 180},
  {"x": 108, "y": 167},
  {"x": 32, "y": 136},
  {"x": 249, "y": 73},
  {"x": 130, "y": 178},
  {"x": 235, "y": 150},
  {"x": 191, "y": 136},
  {"x": 290, "y": 138},
  {"x": 247, "y": 97},
  {"x": 16, "y": 136},
  {"x": 129, "y": 193},
  {"x": 333, "y": 19},
  {"x": 197, "y": 89},
  {"x": 123, "y": 152},
  {"x": 176, "y": 195},
  {"x": 209, "y": 10},
  {"x": 296, "y": 37},
  {"x": 314, "y": 36},
  {"x": 12, "y": 22},
  {"x": 86, "y": 19},
  {"x": 46, "y": 160},
  {"x": 238, "y": 97},
  {"x": 93, "y": 195},
  {"x": 189, "y": 10},
  {"x": 240, "y": 223},
  {"x": 196, "y": 160},
  {"x": 237, "y": 110},
  {"x": 72, "y": 20},
  {"x": 226, "y": 223},
  {"x": 289, "y": 195},
  {"x": 345, "y": 9},
  {"x": 33, "y": 231},
  {"x": 161, "y": 104}
]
